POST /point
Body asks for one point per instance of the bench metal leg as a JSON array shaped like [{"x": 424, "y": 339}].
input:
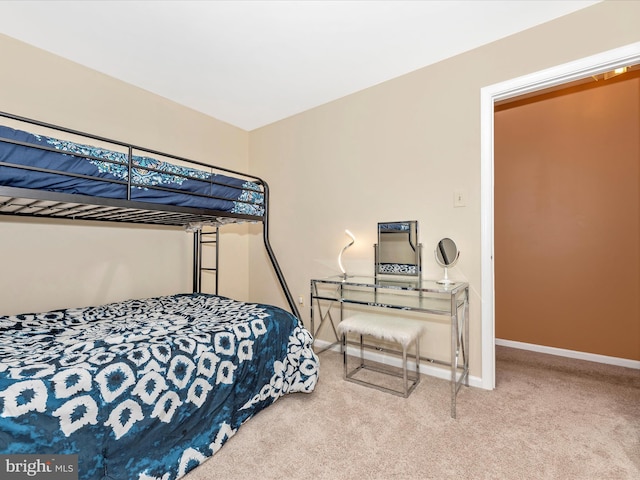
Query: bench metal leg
[{"x": 409, "y": 382}]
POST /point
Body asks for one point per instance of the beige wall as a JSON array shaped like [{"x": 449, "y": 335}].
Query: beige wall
[
  {"x": 49, "y": 265},
  {"x": 397, "y": 151}
]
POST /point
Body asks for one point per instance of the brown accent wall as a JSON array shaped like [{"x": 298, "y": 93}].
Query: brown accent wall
[{"x": 567, "y": 219}]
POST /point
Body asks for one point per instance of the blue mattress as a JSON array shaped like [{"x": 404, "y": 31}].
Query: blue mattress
[
  {"x": 145, "y": 389},
  {"x": 87, "y": 170}
]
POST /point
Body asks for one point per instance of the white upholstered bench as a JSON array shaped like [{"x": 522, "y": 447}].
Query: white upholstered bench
[{"x": 402, "y": 331}]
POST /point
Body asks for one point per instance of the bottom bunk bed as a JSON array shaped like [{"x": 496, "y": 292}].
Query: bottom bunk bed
[{"x": 145, "y": 389}]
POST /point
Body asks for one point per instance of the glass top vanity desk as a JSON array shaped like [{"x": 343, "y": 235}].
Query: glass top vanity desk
[{"x": 387, "y": 293}]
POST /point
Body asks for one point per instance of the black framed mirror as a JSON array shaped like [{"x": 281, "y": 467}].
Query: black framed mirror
[{"x": 398, "y": 250}]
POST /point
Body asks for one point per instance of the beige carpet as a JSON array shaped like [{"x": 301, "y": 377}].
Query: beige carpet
[{"x": 549, "y": 418}]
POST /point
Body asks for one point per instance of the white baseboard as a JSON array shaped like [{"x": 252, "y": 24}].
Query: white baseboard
[
  {"x": 591, "y": 357},
  {"x": 444, "y": 373},
  {"x": 426, "y": 368}
]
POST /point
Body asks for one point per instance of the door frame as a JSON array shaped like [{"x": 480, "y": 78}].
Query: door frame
[{"x": 551, "y": 77}]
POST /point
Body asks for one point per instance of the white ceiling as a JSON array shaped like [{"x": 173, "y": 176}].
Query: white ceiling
[{"x": 251, "y": 63}]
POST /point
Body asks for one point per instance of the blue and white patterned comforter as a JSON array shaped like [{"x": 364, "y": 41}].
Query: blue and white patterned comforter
[
  {"x": 81, "y": 169},
  {"x": 145, "y": 389}
]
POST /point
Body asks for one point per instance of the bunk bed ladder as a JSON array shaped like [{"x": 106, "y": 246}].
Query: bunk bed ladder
[
  {"x": 199, "y": 241},
  {"x": 200, "y": 238}
]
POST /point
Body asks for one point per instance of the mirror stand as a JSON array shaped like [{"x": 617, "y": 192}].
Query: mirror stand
[
  {"x": 398, "y": 252},
  {"x": 445, "y": 280}
]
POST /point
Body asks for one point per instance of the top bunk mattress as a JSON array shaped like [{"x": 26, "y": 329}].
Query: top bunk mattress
[{"x": 44, "y": 163}]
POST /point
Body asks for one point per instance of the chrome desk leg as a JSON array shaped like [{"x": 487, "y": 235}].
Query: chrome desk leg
[
  {"x": 454, "y": 354},
  {"x": 459, "y": 348},
  {"x": 323, "y": 317},
  {"x": 465, "y": 347}
]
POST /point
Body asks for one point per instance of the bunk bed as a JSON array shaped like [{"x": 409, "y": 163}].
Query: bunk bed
[{"x": 144, "y": 388}]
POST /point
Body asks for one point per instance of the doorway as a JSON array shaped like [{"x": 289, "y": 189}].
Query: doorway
[{"x": 538, "y": 81}]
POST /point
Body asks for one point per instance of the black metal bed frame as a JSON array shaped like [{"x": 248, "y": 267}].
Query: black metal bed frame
[{"x": 49, "y": 204}]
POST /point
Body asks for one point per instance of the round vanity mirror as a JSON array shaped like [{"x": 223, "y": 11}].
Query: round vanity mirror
[{"x": 447, "y": 254}]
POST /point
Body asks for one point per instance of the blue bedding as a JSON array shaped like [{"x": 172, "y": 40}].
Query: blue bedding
[
  {"x": 87, "y": 170},
  {"x": 145, "y": 389}
]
